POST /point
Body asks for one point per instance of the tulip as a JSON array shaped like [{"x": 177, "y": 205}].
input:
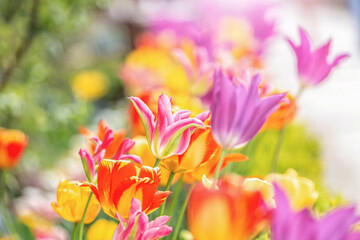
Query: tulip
[
  {"x": 170, "y": 134},
  {"x": 300, "y": 190},
  {"x": 287, "y": 224},
  {"x": 142, "y": 149},
  {"x": 118, "y": 137},
  {"x": 118, "y": 182},
  {"x": 226, "y": 211},
  {"x": 239, "y": 113},
  {"x": 312, "y": 65},
  {"x": 138, "y": 226},
  {"x": 12, "y": 147},
  {"x": 101, "y": 230},
  {"x": 71, "y": 202}
]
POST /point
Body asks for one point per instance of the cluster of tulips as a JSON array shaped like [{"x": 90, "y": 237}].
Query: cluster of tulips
[{"x": 198, "y": 96}]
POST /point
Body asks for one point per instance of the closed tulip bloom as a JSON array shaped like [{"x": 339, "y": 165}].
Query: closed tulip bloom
[
  {"x": 227, "y": 211},
  {"x": 287, "y": 224},
  {"x": 170, "y": 133},
  {"x": 120, "y": 181},
  {"x": 312, "y": 64},
  {"x": 238, "y": 112},
  {"x": 300, "y": 190},
  {"x": 71, "y": 201},
  {"x": 12, "y": 147}
]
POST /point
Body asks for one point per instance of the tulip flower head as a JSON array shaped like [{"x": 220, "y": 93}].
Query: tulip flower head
[
  {"x": 287, "y": 224},
  {"x": 170, "y": 133},
  {"x": 300, "y": 190},
  {"x": 71, "y": 202},
  {"x": 312, "y": 65},
  {"x": 138, "y": 226},
  {"x": 90, "y": 161},
  {"x": 101, "y": 230},
  {"x": 119, "y": 181},
  {"x": 12, "y": 147},
  {"x": 238, "y": 112}
]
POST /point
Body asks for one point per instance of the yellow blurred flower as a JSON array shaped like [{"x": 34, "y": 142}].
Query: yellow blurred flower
[
  {"x": 149, "y": 67},
  {"x": 89, "y": 85},
  {"x": 300, "y": 190},
  {"x": 101, "y": 230},
  {"x": 71, "y": 202}
]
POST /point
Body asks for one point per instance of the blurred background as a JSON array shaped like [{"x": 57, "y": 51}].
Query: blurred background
[{"x": 60, "y": 68}]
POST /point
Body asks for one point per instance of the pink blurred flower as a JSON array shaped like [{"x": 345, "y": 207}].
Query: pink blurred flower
[
  {"x": 312, "y": 65},
  {"x": 170, "y": 133},
  {"x": 289, "y": 225},
  {"x": 238, "y": 112},
  {"x": 144, "y": 230}
]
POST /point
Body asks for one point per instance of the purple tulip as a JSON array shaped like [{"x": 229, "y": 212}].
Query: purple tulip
[
  {"x": 238, "y": 112},
  {"x": 312, "y": 65},
  {"x": 289, "y": 225}
]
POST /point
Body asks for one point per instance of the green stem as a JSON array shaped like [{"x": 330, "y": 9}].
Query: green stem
[
  {"x": 76, "y": 226},
  {"x": 181, "y": 216},
  {"x": 167, "y": 187},
  {"x": 175, "y": 196},
  {"x": 276, "y": 155},
  {"x": 157, "y": 162},
  {"x": 81, "y": 229},
  {"x": 220, "y": 163}
]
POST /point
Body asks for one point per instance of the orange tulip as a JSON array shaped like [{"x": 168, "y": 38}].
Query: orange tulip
[
  {"x": 71, "y": 202},
  {"x": 110, "y": 151},
  {"x": 283, "y": 115},
  {"x": 12, "y": 146},
  {"x": 226, "y": 211},
  {"x": 203, "y": 148},
  {"x": 120, "y": 181}
]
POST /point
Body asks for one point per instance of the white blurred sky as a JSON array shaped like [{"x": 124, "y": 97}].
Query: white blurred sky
[{"x": 331, "y": 111}]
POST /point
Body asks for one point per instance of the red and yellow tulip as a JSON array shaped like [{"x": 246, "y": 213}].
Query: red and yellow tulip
[
  {"x": 120, "y": 181},
  {"x": 12, "y": 146},
  {"x": 226, "y": 211}
]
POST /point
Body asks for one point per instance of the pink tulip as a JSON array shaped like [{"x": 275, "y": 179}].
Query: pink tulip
[
  {"x": 170, "y": 133},
  {"x": 312, "y": 65},
  {"x": 138, "y": 226}
]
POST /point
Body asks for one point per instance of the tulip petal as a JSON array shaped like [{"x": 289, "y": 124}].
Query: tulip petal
[{"x": 146, "y": 116}]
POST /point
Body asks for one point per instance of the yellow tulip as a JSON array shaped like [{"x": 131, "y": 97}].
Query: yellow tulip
[
  {"x": 300, "y": 190},
  {"x": 71, "y": 202},
  {"x": 101, "y": 230}
]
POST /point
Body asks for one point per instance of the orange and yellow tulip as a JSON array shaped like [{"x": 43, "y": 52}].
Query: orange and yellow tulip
[
  {"x": 283, "y": 115},
  {"x": 12, "y": 146},
  {"x": 120, "y": 181},
  {"x": 72, "y": 200},
  {"x": 226, "y": 211}
]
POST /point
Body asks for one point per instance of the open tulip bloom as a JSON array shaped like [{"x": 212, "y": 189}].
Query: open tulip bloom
[
  {"x": 170, "y": 133},
  {"x": 312, "y": 65},
  {"x": 238, "y": 112}
]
